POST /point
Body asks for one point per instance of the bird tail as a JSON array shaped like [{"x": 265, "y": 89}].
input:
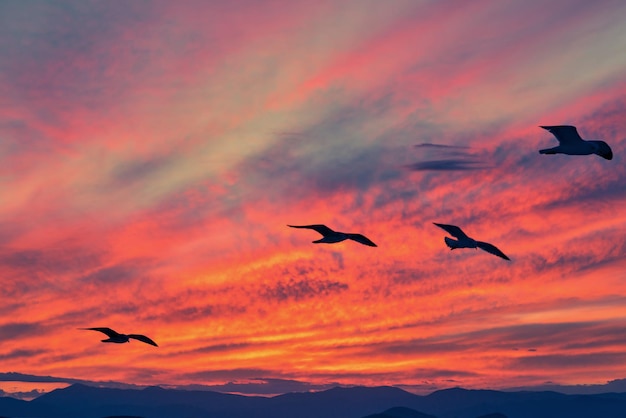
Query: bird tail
[{"x": 547, "y": 151}]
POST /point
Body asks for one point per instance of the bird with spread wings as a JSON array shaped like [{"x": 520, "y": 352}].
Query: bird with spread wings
[
  {"x": 330, "y": 237},
  {"x": 463, "y": 241},
  {"x": 116, "y": 337},
  {"x": 571, "y": 143}
]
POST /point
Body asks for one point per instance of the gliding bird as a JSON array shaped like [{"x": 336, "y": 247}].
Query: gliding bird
[
  {"x": 572, "y": 144},
  {"x": 330, "y": 236},
  {"x": 463, "y": 241},
  {"x": 115, "y": 337}
]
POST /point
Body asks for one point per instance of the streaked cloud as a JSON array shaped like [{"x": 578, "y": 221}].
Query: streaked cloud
[
  {"x": 19, "y": 353},
  {"x": 14, "y": 330},
  {"x": 301, "y": 289},
  {"x": 153, "y": 154}
]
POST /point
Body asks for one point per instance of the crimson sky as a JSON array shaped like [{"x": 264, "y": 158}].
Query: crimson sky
[{"x": 152, "y": 154}]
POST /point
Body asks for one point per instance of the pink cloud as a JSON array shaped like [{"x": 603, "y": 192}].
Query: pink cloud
[{"x": 153, "y": 162}]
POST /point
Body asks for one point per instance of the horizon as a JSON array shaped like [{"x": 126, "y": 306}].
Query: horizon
[
  {"x": 82, "y": 401},
  {"x": 264, "y": 388},
  {"x": 153, "y": 154}
]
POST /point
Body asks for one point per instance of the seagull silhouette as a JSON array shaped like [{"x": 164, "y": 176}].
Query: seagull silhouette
[
  {"x": 116, "y": 337},
  {"x": 330, "y": 236},
  {"x": 466, "y": 242},
  {"x": 572, "y": 144}
]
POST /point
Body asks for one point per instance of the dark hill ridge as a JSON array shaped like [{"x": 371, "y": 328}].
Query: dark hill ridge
[
  {"x": 80, "y": 401},
  {"x": 86, "y": 401},
  {"x": 342, "y": 402},
  {"x": 400, "y": 412},
  {"x": 12, "y": 407}
]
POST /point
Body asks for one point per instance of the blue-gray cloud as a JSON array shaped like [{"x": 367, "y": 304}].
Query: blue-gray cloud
[
  {"x": 39, "y": 269},
  {"x": 449, "y": 158},
  {"x": 216, "y": 348},
  {"x": 294, "y": 289},
  {"x": 113, "y": 274},
  {"x": 11, "y": 355},
  {"x": 191, "y": 312},
  {"x": 43, "y": 42},
  {"x": 447, "y": 165},
  {"x": 564, "y": 336},
  {"x": 266, "y": 386},
  {"x": 18, "y": 329},
  {"x": 332, "y": 154},
  {"x": 566, "y": 360},
  {"x": 253, "y": 381},
  {"x": 130, "y": 172},
  {"x": 49, "y": 260}
]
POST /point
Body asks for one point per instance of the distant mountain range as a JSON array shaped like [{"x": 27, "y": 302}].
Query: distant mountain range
[
  {"x": 81, "y": 401},
  {"x": 272, "y": 386}
]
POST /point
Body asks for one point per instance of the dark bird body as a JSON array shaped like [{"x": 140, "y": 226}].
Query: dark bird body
[
  {"x": 330, "y": 237},
  {"x": 116, "y": 337},
  {"x": 571, "y": 143},
  {"x": 463, "y": 241}
]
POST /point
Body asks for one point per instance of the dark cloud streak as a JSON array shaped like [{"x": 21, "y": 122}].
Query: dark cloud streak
[
  {"x": 448, "y": 165},
  {"x": 449, "y": 158},
  {"x": 18, "y": 329},
  {"x": 20, "y": 353},
  {"x": 301, "y": 289}
]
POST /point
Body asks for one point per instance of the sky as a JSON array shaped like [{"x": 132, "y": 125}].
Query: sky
[{"x": 152, "y": 154}]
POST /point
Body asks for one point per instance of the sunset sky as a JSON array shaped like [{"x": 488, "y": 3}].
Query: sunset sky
[{"x": 152, "y": 154}]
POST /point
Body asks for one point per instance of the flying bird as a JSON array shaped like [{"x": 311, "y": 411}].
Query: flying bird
[
  {"x": 572, "y": 144},
  {"x": 116, "y": 337},
  {"x": 330, "y": 236},
  {"x": 463, "y": 241}
]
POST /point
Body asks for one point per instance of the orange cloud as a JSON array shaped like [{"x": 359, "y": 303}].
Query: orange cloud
[{"x": 149, "y": 176}]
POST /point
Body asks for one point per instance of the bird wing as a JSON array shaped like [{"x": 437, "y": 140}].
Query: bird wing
[
  {"x": 491, "y": 249},
  {"x": 108, "y": 331},
  {"x": 142, "y": 338},
  {"x": 322, "y": 229},
  {"x": 565, "y": 134},
  {"x": 362, "y": 239},
  {"x": 453, "y": 230}
]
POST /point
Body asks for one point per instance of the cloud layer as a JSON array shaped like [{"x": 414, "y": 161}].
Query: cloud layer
[{"x": 152, "y": 155}]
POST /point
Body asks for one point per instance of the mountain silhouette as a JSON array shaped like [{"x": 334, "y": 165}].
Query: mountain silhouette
[
  {"x": 340, "y": 402},
  {"x": 400, "y": 412},
  {"x": 81, "y": 401},
  {"x": 13, "y": 407}
]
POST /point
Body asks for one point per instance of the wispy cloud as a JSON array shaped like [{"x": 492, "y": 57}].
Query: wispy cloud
[
  {"x": 19, "y": 353},
  {"x": 14, "y": 330},
  {"x": 301, "y": 289},
  {"x": 152, "y": 156}
]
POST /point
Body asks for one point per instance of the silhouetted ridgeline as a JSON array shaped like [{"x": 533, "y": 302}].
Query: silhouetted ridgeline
[
  {"x": 400, "y": 412},
  {"x": 80, "y": 401}
]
